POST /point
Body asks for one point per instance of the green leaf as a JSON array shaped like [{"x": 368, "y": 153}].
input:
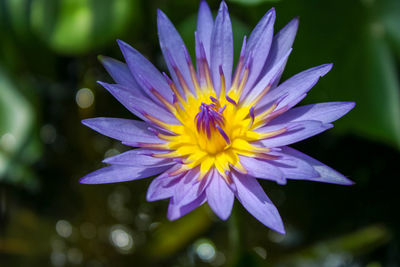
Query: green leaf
[
  {"x": 77, "y": 26},
  {"x": 389, "y": 15},
  {"x": 253, "y": 2},
  {"x": 382, "y": 114},
  {"x": 17, "y": 144},
  {"x": 356, "y": 39},
  {"x": 172, "y": 236},
  {"x": 357, "y": 243}
]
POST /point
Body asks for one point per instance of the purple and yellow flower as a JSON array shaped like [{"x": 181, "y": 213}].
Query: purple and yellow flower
[{"x": 210, "y": 132}]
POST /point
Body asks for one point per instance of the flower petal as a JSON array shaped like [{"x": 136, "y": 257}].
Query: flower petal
[
  {"x": 219, "y": 196},
  {"x": 116, "y": 174},
  {"x": 326, "y": 174},
  {"x": 292, "y": 167},
  {"x": 163, "y": 186},
  {"x": 145, "y": 73},
  {"x": 281, "y": 44},
  {"x": 138, "y": 158},
  {"x": 258, "y": 46},
  {"x": 295, "y": 87},
  {"x": 131, "y": 102},
  {"x": 177, "y": 210},
  {"x": 323, "y": 112},
  {"x": 129, "y": 131},
  {"x": 222, "y": 48},
  {"x": 267, "y": 80},
  {"x": 256, "y": 202},
  {"x": 263, "y": 169},
  {"x": 205, "y": 23},
  {"x": 119, "y": 71},
  {"x": 296, "y": 132},
  {"x": 189, "y": 187},
  {"x": 172, "y": 46}
]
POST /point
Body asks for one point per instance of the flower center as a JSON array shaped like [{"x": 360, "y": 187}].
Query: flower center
[{"x": 210, "y": 127}]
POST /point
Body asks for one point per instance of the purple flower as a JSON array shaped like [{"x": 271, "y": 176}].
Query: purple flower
[{"x": 210, "y": 132}]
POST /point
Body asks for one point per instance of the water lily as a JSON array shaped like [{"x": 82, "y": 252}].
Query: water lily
[{"x": 211, "y": 131}]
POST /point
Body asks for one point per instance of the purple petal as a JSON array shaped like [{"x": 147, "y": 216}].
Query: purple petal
[
  {"x": 256, "y": 202},
  {"x": 281, "y": 44},
  {"x": 259, "y": 44},
  {"x": 263, "y": 169},
  {"x": 171, "y": 41},
  {"x": 189, "y": 188},
  {"x": 205, "y": 24},
  {"x": 129, "y": 131},
  {"x": 222, "y": 48},
  {"x": 116, "y": 174},
  {"x": 268, "y": 79},
  {"x": 326, "y": 174},
  {"x": 219, "y": 196},
  {"x": 297, "y": 131},
  {"x": 119, "y": 71},
  {"x": 175, "y": 211},
  {"x": 145, "y": 73},
  {"x": 323, "y": 112},
  {"x": 293, "y": 168},
  {"x": 295, "y": 87},
  {"x": 163, "y": 186},
  {"x": 122, "y": 75},
  {"x": 139, "y": 106},
  {"x": 138, "y": 158}
]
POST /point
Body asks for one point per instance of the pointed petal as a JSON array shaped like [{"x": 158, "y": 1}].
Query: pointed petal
[
  {"x": 121, "y": 74},
  {"x": 175, "y": 211},
  {"x": 189, "y": 188},
  {"x": 163, "y": 186},
  {"x": 259, "y": 45},
  {"x": 129, "y": 131},
  {"x": 257, "y": 203},
  {"x": 263, "y": 169},
  {"x": 323, "y": 112},
  {"x": 138, "y": 158},
  {"x": 137, "y": 106},
  {"x": 326, "y": 174},
  {"x": 119, "y": 71},
  {"x": 116, "y": 174},
  {"x": 295, "y": 87},
  {"x": 296, "y": 132},
  {"x": 281, "y": 44},
  {"x": 292, "y": 167},
  {"x": 222, "y": 48},
  {"x": 145, "y": 73},
  {"x": 219, "y": 196},
  {"x": 171, "y": 41},
  {"x": 205, "y": 24},
  {"x": 268, "y": 79}
]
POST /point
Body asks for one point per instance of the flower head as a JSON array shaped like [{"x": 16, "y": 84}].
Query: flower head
[{"x": 210, "y": 131}]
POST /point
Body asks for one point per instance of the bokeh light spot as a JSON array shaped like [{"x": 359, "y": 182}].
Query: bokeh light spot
[
  {"x": 205, "y": 250},
  {"x": 8, "y": 141},
  {"x": 64, "y": 228},
  {"x": 84, "y": 98},
  {"x": 121, "y": 239}
]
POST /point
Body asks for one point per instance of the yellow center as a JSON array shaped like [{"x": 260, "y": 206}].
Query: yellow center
[{"x": 221, "y": 146}]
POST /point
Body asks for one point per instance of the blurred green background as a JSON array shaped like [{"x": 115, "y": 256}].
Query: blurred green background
[{"x": 48, "y": 74}]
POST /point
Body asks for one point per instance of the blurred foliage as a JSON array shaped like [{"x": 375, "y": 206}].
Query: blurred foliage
[
  {"x": 19, "y": 146},
  {"x": 253, "y": 2},
  {"x": 70, "y": 26},
  {"x": 361, "y": 41},
  {"x": 48, "y": 53},
  {"x": 339, "y": 249}
]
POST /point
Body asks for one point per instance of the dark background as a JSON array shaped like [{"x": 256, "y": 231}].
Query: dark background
[{"x": 48, "y": 74}]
